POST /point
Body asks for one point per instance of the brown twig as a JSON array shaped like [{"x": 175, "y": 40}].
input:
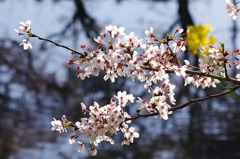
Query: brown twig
[
  {"x": 231, "y": 90},
  {"x": 63, "y": 46}
]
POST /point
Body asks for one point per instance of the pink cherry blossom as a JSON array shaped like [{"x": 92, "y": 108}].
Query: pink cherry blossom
[
  {"x": 57, "y": 125},
  {"x": 110, "y": 74},
  {"x": 80, "y": 147},
  {"x": 92, "y": 151},
  {"x": 18, "y": 32},
  {"x": 25, "y": 27},
  {"x": 26, "y": 44},
  {"x": 231, "y": 10}
]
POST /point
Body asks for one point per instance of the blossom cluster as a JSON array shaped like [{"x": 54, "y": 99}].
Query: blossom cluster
[
  {"x": 214, "y": 60},
  {"x": 102, "y": 123},
  {"x": 128, "y": 56},
  {"x": 231, "y": 10},
  {"x": 26, "y": 30}
]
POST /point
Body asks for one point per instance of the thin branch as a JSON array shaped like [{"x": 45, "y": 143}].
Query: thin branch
[
  {"x": 191, "y": 101},
  {"x": 63, "y": 46},
  {"x": 205, "y": 98}
]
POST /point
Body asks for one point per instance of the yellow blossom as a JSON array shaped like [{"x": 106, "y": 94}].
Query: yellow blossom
[{"x": 198, "y": 36}]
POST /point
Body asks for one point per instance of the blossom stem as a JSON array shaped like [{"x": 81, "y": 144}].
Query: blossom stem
[
  {"x": 204, "y": 98},
  {"x": 191, "y": 101}
]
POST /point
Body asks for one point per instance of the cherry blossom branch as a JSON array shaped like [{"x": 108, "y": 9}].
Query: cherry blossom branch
[
  {"x": 227, "y": 78},
  {"x": 191, "y": 101},
  {"x": 121, "y": 58}
]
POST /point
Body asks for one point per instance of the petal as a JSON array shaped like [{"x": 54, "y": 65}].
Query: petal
[
  {"x": 21, "y": 27},
  {"x": 30, "y": 45},
  {"x": 25, "y": 46},
  {"x": 180, "y": 31},
  {"x": 28, "y": 22},
  {"x": 164, "y": 115},
  {"x": 21, "y": 23}
]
